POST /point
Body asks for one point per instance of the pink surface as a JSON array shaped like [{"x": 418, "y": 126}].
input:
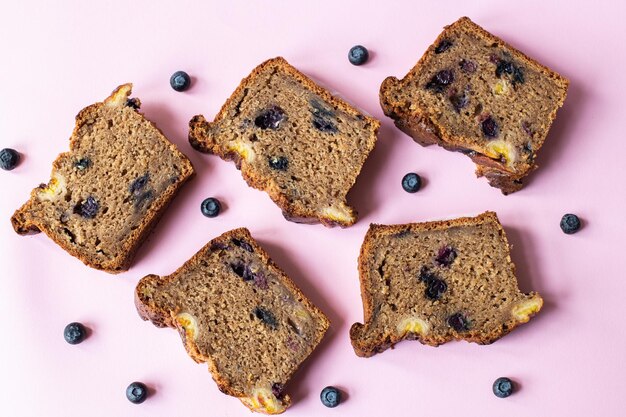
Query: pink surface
[{"x": 58, "y": 57}]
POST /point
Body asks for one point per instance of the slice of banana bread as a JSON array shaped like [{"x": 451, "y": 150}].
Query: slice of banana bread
[
  {"x": 472, "y": 92},
  {"x": 110, "y": 189},
  {"x": 436, "y": 282},
  {"x": 237, "y": 311},
  {"x": 293, "y": 139}
]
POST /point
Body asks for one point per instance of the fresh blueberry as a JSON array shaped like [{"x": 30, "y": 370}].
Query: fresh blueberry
[
  {"x": 266, "y": 317},
  {"x": 87, "y": 208},
  {"x": 279, "y": 163},
  {"x": 210, "y": 207},
  {"x": 446, "y": 255},
  {"x": 270, "y": 118},
  {"x": 570, "y": 223},
  {"x": 9, "y": 159},
  {"x": 441, "y": 80},
  {"x": 490, "y": 127},
  {"x": 443, "y": 46},
  {"x": 503, "y": 387},
  {"x": 82, "y": 164},
  {"x": 358, "y": 55},
  {"x": 411, "y": 182},
  {"x": 180, "y": 81},
  {"x": 458, "y": 322},
  {"x": 330, "y": 396},
  {"x": 74, "y": 333},
  {"x": 435, "y": 289},
  {"x": 137, "y": 392}
]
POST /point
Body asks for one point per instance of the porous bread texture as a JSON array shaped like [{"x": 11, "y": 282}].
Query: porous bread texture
[
  {"x": 402, "y": 266},
  {"x": 239, "y": 313},
  {"x": 485, "y": 80},
  {"x": 108, "y": 192},
  {"x": 292, "y": 139}
]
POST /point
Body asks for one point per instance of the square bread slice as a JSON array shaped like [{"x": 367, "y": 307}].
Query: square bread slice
[
  {"x": 107, "y": 193},
  {"x": 239, "y": 313},
  {"x": 292, "y": 139},
  {"x": 474, "y": 93},
  {"x": 437, "y": 282}
]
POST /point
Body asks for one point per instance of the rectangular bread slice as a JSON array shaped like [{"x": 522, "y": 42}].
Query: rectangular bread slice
[
  {"x": 107, "y": 193},
  {"x": 239, "y": 313},
  {"x": 474, "y": 93},
  {"x": 436, "y": 282},
  {"x": 292, "y": 139}
]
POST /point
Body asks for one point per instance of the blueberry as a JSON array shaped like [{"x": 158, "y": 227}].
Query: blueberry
[
  {"x": 87, "y": 208},
  {"x": 133, "y": 103},
  {"x": 74, "y": 333},
  {"x": 411, "y": 182},
  {"x": 358, "y": 55},
  {"x": 435, "y": 289},
  {"x": 242, "y": 270},
  {"x": 277, "y": 389},
  {"x": 137, "y": 392},
  {"x": 210, "y": 207},
  {"x": 82, "y": 164},
  {"x": 139, "y": 183},
  {"x": 270, "y": 118},
  {"x": 426, "y": 275},
  {"x": 322, "y": 117},
  {"x": 330, "y": 396},
  {"x": 180, "y": 81},
  {"x": 443, "y": 46},
  {"x": 266, "y": 317},
  {"x": 504, "y": 67},
  {"x": 490, "y": 127},
  {"x": 440, "y": 81},
  {"x": 468, "y": 67},
  {"x": 279, "y": 163},
  {"x": 242, "y": 244},
  {"x": 459, "y": 101},
  {"x": 446, "y": 255},
  {"x": 570, "y": 223},
  {"x": 458, "y": 322},
  {"x": 9, "y": 159},
  {"x": 503, "y": 387}
]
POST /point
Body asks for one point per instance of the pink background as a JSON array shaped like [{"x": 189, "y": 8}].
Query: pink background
[{"x": 58, "y": 57}]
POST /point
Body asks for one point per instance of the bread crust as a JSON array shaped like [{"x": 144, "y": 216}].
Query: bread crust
[
  {"x": 24, "y": 224},
  {"x": 423, "y": 128},
  {"x": 201, "y": 138}
]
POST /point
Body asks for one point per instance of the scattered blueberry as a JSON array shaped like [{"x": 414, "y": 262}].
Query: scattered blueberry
[
  {"x": 87, "y": 208},
  {"x": 358, "y": 55},
  {"x": 74, "y": 333},
  {"x": 266, "y": 317},
  {"x": 507, "y": 67},
  {"x": 490, "y": 127},
  {"x": 411, "y": 182},
  {"x": 279, "y": 163},
  {"x": 210, "y": 207},
  {"x": 330, "y": 396},
  {"x": 270, "y": 118},
  {"x": 426, "y": 275},
  {"x": 570, "y": 223},
  {"x": 440, "y": 81},
  {"x": 503, "y": 387},
  {"x": 458, "y": 322},
  {"x": 180, "y": 81},
  {"x": 137, "y": 392},
  {"x": 82, "y": 164},
  {"x": 435, "y": 289},
  {"x": 468, "y": 67},
  {"x": 446, "y": 255},
  {"x": 322, "y": 117},
  {"x": 9, "y": 159},
  {"x": 139, "y": 183},
  {"x": 242, "y": 244},
  {"x": 443, "y": 46},
  {"x": 134, "y": 103}
]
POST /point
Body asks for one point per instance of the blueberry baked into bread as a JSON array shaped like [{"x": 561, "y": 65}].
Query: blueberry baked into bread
[
  {"x": 437, "y": 282},
  {"x": 107, "y": 193},
  {"x": 238, "y": 312},
  {"x": 293, "y": 139},
  {"x": 472, "y": 92}
]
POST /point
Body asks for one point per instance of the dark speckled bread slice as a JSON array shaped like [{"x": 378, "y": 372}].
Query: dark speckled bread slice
[
  {"x": 436, "y": 282},
  {"x": 239, "y": 313},
  {"x": 292, "y": 139},
  {"x": 474, "y": 93},
  {"x": 107, "y": 193}
]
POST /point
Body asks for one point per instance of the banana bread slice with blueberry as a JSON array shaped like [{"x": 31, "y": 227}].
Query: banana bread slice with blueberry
[
  {"x": 293, "y": 139},
  {"x": 472, "y": 92},
  {"x": 436, "y": 282},
  {"x": 239, "y": 313},
  {"x": 107, "y": 193}
]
